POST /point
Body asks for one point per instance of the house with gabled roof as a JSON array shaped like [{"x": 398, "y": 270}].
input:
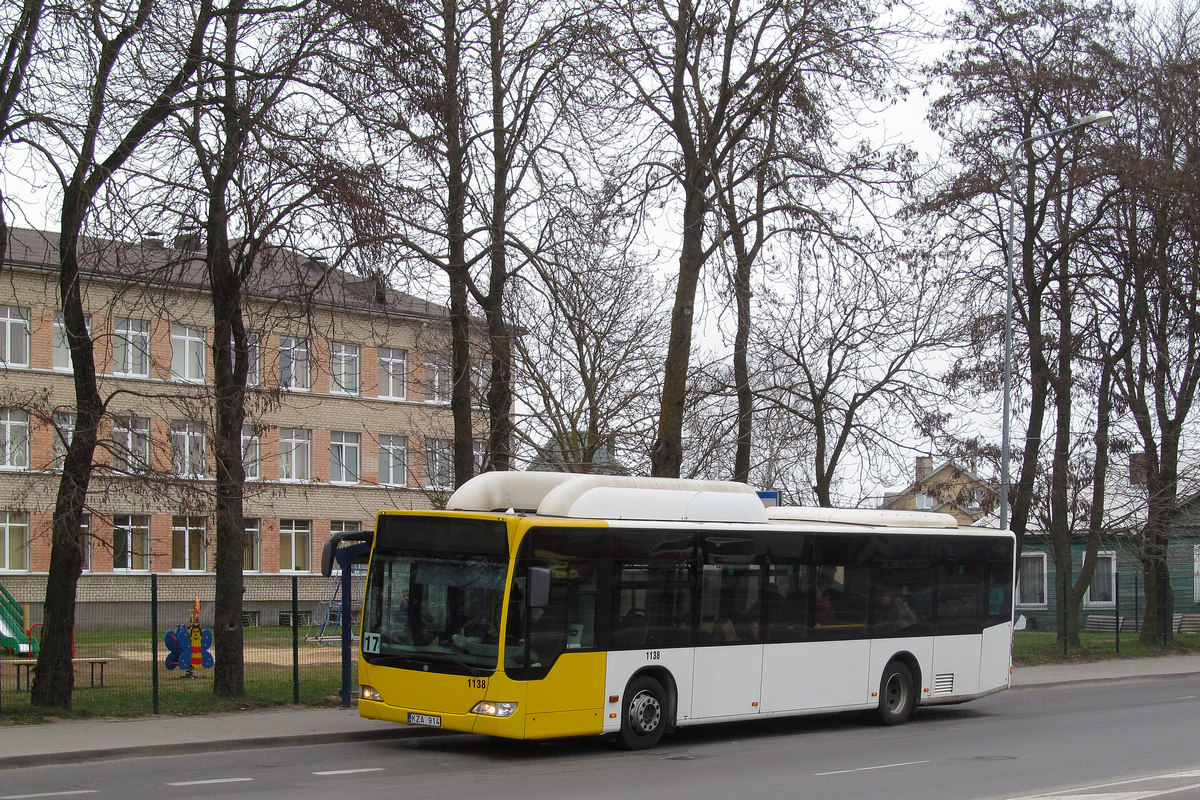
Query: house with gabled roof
[{"x": 950, "y": 488}]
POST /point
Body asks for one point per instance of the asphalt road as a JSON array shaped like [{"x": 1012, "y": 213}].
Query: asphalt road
[{"x": 1119, "y": 741}]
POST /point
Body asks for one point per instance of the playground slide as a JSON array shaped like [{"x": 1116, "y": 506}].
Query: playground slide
[{"x": 12, "y": 634}]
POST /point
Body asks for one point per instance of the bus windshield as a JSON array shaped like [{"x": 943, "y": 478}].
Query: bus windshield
[{"x": 439, "y": 611}]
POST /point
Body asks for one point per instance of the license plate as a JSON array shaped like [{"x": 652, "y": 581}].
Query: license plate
[{"x": 425, "y": 719}]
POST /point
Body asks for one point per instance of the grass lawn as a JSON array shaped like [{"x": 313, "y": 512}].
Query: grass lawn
[
  {"x": 132, "y": 664},
  {"x": 1041, "y": 647}
]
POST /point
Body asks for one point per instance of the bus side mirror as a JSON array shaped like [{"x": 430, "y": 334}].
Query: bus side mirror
[{"x": 538, "y": 587}]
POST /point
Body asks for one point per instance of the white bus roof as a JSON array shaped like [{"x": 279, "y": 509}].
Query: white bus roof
[{"x": 571, "y": 495}]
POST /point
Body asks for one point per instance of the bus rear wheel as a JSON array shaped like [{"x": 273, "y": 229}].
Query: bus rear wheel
[
  {"x": 897, "y": 694},
  {"x": 645, "y": 717}
]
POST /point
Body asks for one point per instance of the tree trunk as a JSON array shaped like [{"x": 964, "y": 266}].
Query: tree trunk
[{"x": 54, "y": 681}]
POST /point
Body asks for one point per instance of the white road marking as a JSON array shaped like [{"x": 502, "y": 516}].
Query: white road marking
[
  {"x": 210, "y": 781},
  {"x": 865, "y": 769},
  {"x": 49, "y": 794},
  {"x": 348, "y": 771},
  {"x": 1091, "y": 793}
]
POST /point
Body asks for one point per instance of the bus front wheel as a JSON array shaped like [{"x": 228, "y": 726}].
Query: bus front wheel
[
  {"x": 897, "y": 695},
  {"x": 645, "y": 717}
]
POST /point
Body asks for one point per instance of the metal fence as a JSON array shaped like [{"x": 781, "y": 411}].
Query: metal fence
[{"x": 148, "y": 660}]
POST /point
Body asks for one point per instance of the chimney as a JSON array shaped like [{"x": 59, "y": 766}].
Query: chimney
[{"x": 924, "y": 467}]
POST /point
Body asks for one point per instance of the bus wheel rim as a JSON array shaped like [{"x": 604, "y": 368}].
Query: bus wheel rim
[
  {"x": 645, "y": 712},
  {"x": 896, "y": 693}
]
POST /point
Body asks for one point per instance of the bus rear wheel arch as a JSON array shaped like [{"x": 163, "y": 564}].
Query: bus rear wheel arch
[
  {"x": 645, "y": 713},
  {"x": 897, "y": 693}
]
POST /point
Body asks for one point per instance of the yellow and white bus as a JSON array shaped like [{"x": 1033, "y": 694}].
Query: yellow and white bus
[{"x": 547, "y": 604}]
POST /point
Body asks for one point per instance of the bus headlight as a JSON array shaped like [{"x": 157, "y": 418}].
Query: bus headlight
[
  {"x": 367, "y": 693},
  {"x": 490, "y": 709}
]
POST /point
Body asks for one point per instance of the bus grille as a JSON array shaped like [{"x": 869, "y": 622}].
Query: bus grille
[{"x": 944, "y": 683}]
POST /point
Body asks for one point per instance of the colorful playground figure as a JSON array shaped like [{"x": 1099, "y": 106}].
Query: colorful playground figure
[
  {"x": 14, "y": 636},
  {"x": 188, "y": 645}
]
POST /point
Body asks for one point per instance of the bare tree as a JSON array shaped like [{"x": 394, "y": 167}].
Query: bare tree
[
  {"x": 96, "y": 110},
  {"x": 847, "y": 349},
  {"x": 1156, "y": 274},
  {"x": 1017, "y": 69},
  {"x": 592, "y": 336},
  {"x": 20, "y": 27},
  {"x": 698, "y": 76}
]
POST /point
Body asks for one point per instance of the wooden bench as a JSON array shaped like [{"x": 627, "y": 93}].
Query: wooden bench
[
  {"x": 1102, "y": 622},
  {"x": 26, "y": 665}
]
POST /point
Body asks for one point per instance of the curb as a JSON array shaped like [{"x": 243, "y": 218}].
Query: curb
[
  {"x": 191, "y": 748},
  {"x": 1157, "y": 676}
]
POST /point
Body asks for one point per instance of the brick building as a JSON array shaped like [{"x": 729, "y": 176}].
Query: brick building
[{"x": 349, "y": 414}]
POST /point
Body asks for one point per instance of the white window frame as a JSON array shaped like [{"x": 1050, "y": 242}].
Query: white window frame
[
  {"x": 292, "y": 531},
  {"x": 439, "y": 379},
  {"x": 295, "y": 455},
  {"x": 133, "y": 525},
  {"x": 294, "y": 364},
  {"x": 63, "y": 433},
  {"x": 14, "y": 541},
  {"x": 131, "y": 444},
  {"x": 14, "y": 439},
  {"x": 393, "y": 460},
  {"x": 393, "y": 373},
  {"x": 14, "y": 336},
  {"x": 1045, "y": 591},
  {"x": 923, "y": 501},
  {"x": 85, "y": 533},
  {"x": 131, "y": 348},
  {"x": 192, "y": 534},
  {"x": 1196, "y": 573},
  {"x": 188, "y": 449},
  {"x": 59, "y": 344},
  {"x": 251, "y": 452},
  {"x": 345, "y": 375},
  {"x": 1088, "y": 602},
  {"x": 439, "y": 463},
  {"x": 188, "y": 353},
  {"x": 345, "y": 457},
  {"x": 252, "y": 559}
]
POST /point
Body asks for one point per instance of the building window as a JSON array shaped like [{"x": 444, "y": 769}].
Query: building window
[
  {"x": 187, "y": 449},
  {"x": 252, "y": 358},
  {"x": 187, "y": 544},
  {"x": 251, "y": 452},
  {"x": 61, "y": 347},
  {"x": 253, "y": 559},
  {"x": 131, "y": 542},
  {"x": 393, "y": 373},
  {"x": 479, "y": 456},
  {"x": 295, "y": 540},
  {"x": 343, "y": 457},
  {"x": 14, "y": 533},
  {"x": 293, "y": 364},
  {"x": 923, "y": 502},
  {"x": 85, "y": 534},
  {"x": 131, "y": 444},
  {"x": 393, "y": 460},
  {"x": 14, "y": 438},
  {"x": 1102, "y": 591},
  {"x": 439, "y": 463},
  {"x": 295, "y": 454},
  {"x": 187, "y": 353},
  {"x": 1031, "y": 580},
  {"x": 438, "y": 379},
  {"x": 63, "y": 433},
  {"x": 14, "y": 336},
  {"x": 344, "y": 526},
  {"x": 343, "y": 368},
  {"x": 131, "y": 348}
]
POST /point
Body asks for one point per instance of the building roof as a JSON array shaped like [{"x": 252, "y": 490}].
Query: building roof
[{"x": 280, "y": 274}]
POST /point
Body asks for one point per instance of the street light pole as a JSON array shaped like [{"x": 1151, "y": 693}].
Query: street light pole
[{"x": 1099, "y": 119}]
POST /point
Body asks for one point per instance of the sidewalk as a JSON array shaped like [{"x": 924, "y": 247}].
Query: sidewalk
[{"x": 74, "y": 741}]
